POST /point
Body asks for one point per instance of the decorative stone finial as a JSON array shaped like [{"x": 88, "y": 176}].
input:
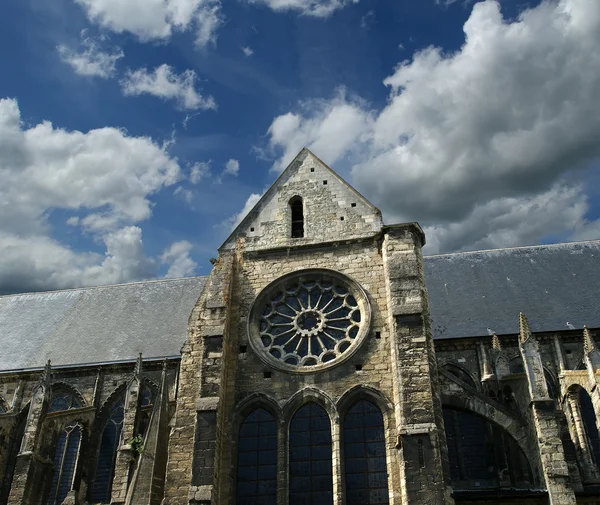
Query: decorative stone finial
[
  {"x": 45, "y": 379},
  {"x": 496, "y": 342},
  {"x": 588, "y": 341},
  {"x": 524, "y": 328},
  {"x": 138, "y": 366}
]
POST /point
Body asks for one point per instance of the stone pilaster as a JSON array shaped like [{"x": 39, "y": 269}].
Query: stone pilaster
[
  {"x": 417, "y": 401},
  {"x": 193, "y": 445},
  {"x": 126, "y": 455},
  {"x": 552, "y": 457},
  {"x": 32, "y": 470}
]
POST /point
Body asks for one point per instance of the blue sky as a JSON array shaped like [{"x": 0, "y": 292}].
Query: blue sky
[{"x": 134, "y": 133}]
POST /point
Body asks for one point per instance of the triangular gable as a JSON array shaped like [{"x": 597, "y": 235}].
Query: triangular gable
[{"x": 333, "y": 210}]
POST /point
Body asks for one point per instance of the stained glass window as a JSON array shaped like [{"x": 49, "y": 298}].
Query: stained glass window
[
  {"x": 308, "y": 321},
  {"x": 257, "y": 460},
  {"x": 63, "y": 400},
  {"x": 107, "y": 455},
  {"x": 364, "y": 455},
  {"x": 311, "y": 481},
  {"x": 65, "y": 461}
]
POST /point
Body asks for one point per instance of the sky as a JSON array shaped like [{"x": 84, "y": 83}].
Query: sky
[{"x": 135, "y": 134}]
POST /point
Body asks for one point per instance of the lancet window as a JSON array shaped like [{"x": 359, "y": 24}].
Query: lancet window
[
  {"x": 109, "y": 443},
  {"x": 65, "y": 462}
]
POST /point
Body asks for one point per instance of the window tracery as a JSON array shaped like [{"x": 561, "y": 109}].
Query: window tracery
[
  {"x": 308, "y": 320},
  {"x": 109, "y": 443},
  {"x": 63, "y": 400},
  {"x": 65, "y": 463}
]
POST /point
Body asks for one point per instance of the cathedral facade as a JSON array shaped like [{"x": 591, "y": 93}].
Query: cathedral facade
[{"x": 324, "y": 360}]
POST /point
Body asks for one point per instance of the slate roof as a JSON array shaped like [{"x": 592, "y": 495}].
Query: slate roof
[
  {"x": 468, "y": 292},
  {"x": 550, "y": 284},
  {"x": 99, "y": 324}
]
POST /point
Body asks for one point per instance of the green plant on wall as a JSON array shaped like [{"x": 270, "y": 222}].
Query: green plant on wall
[{"x": 137, "y": 444}]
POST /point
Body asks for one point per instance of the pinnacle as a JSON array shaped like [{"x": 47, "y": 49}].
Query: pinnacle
[
  {"x": 588, "y": 341},
  {"x": 524, "y": 328},
  {"x": 496, "y": 342}
]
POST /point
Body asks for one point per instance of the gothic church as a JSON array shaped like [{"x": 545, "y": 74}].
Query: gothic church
[{"x": 324, "y": 361}]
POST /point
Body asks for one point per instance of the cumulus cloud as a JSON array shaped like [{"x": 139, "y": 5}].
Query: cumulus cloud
[
  {"x": 329, "y": 128},
  {"x": 91, "y": 61},
  {"x": 104, "y": 177},
  {"x": 164, "y": 83},
  {"x": 470, "y": 138},
  {"x": 247, "y": 51},
  {"x": 156, "y": 19},
  {"x": 316, "y": 8},
  {"x": 177, "y": 257}
]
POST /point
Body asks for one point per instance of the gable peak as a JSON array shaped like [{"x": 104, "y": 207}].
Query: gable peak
[{"x": 330, "y": 207}]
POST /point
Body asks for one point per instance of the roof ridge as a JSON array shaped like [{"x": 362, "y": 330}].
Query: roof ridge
[
  {"x": 537, "y": 246},
  {"x": 99, "y": 286}
]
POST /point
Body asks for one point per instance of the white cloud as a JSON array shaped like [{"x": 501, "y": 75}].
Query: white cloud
[
  {"x": 177, "y": 256},
  {"x": 208, "y": 20},
  {"x": 38, "y": 262},
  {"x": 156, "y": 19},
  {"x": 104, "y": 176},
  {"x": 329, "y": 128},
  {"x": 232, "y": 167},
  {"x": 247, "y": 51},
  {"x": 316, "y": 8},
  {"x": 92, "y": 61},
  {"x": 164, "y": 83},
  {"x": 469, "y": 138},
  {"x": 199, "y": 171}
]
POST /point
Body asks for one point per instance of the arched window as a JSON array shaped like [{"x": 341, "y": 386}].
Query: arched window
[
  {"x": 311, "y": 481},
  {"x": 63, "y": 400},
  {"x": 105, "y": 468},
  {"x": 364, "y": 455},
  {"x": 65, "y": 462},
  {"x": 483, "y": 455},
  {"x": 257, "y": 460},
  {"x": 589, "y": 421},
  {"x": 297, "y": 211}
]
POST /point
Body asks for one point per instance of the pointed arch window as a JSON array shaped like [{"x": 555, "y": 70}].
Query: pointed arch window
[
  {"x": 257, "y": 460},
  {"x": 310, "y": 476},
  {"x": 63, "y": 400},
  {"x": 364, "y": 455},
  {"x": 65, "y": 463},
  {"x": 297, "y": 211},
  {"x": 109, "y": 443}
]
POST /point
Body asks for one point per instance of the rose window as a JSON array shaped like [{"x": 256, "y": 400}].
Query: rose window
[{"x": 307, "y": 320}]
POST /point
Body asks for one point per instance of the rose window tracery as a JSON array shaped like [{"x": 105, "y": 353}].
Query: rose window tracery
[{"x": 308, "y": 320}]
